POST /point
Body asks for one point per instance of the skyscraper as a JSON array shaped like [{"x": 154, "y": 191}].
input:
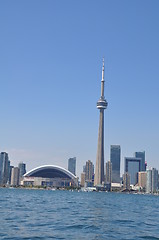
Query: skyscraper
[
  {"x": 4, "y": 168},
  {"x": 15, "y": 176},
  {"x": 142, "y": 178},
  {"x": 89, "y": 171},
  {"x": 142, "y": 156},
  {"x": 152, "y": 180},
  {"x": 132, "y": 166},
  {"x": 115, "y": 153},
  {"x": 72, "y": 165},
  {"x": 126, "y": 181},
  {"x": 22, "y": 169},
  {"x": 108, "y": 176},
  {"x": 101, "y": 105},
  {"x": 83, "y": 178},
  {"x": 84, "y": 168},
  {"x": 10, "y": 174}
]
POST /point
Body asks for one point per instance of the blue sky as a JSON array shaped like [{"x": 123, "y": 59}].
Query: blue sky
[{"x": 51, "y": 60}]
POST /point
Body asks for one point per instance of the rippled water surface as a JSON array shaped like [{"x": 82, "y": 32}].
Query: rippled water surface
[{"x": 42, "y": 214}]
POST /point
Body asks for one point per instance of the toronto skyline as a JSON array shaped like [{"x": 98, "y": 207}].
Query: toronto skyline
[{"x": 51, "y": 56}]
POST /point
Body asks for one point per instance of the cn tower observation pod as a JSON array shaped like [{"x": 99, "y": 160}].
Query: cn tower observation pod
[{"x": 50, "y": 175}]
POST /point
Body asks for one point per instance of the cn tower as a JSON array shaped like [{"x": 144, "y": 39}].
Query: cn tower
[{"x": 101, "y": 105}]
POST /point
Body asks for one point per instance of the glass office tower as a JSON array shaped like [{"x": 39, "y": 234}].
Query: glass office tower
[
  {"x": 115, "y": 153},
  {"x": 4, "y": 168},
  {"x": 72, "y": 165},
  {"x": 132, "y": 166},
  {"x": 142, "y": 156}
]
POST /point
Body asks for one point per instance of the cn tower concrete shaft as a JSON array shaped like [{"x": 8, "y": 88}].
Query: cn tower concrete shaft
[{"x": 101, "y": 105}]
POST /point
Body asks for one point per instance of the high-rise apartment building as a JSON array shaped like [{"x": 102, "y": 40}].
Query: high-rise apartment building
[
  {"x": 101, "y": 105},
  {"x": 142, "y": 156},
  {"x": 126, "y": 181},
  {"x": 10, "y": 174},
  {"x": 4, "y": 168},
  {"x": 22, "y": 169},
  {"x": 108, "y": 175},
  {"x": 152, "y": 180},
  {"x": 142, "y": 179},
  {"x": 83, "y": 178},
  {"x": 72, "y": 165},
  {"x": 87, "y": 177},
  {"x": 89, "y": 171},
  {"x": 15, "y": 176},
  {"x": 132, "y": 166},
  {"x": 115, "y": 153},
  {"x": 8, "y": 171}
]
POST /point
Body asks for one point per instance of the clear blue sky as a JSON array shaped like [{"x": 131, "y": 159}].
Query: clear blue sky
[{"x": 50, "y": 71}]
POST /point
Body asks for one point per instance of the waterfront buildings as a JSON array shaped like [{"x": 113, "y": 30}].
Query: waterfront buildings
[
  {"x": 50, "y": 176},
  {"x": 83, "y": 178},
  {"x": 10, "y": 174},
  {"x": 132, "y": 166},
  {"x": 108, "y": 175},
  {"x": 142, "y": 179},
  {"x": 101, "y": 105},
  {"x": 72, "y": 165},
  {"x": 4, "y": 168},
  {"x": 89, "y": 171},
  {"x": 115, "y": 187},
  {"x": 87, "y": 177},
  {"x": 15, "y": 176},
  {"x": 142, "y": 163},
  {"x": 152, "y": 180},
  {"x": 126, "y": 181},
  {"x": 22, "y": 169},
  {"x": 115, "y": 153},
  {"x": 8, "y": 171}
]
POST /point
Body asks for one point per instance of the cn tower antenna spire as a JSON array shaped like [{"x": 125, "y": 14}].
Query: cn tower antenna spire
[
  {"x": 102, "y": 81},
  {"x": 103, "y": 71}
]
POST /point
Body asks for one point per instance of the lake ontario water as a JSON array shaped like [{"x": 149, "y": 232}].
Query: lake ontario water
[{"x": 45, "y": 214}]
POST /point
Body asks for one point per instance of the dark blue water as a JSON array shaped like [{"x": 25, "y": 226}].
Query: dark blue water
[{"x": 42, "y": 214}]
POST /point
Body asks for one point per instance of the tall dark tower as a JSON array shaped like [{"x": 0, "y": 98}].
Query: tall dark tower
[
  {"x": 101, "y": 105},
  {"x": 115, "y": 153}
]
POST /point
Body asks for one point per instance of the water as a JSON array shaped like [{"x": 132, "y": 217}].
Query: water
[{"x": 42, "y": 214}]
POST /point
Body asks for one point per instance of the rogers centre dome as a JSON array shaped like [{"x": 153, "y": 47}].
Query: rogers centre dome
[{"x": 50, "y": 176}]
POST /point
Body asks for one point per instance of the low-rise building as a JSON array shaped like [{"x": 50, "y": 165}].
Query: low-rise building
[{"x": 50, "y": 176}]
